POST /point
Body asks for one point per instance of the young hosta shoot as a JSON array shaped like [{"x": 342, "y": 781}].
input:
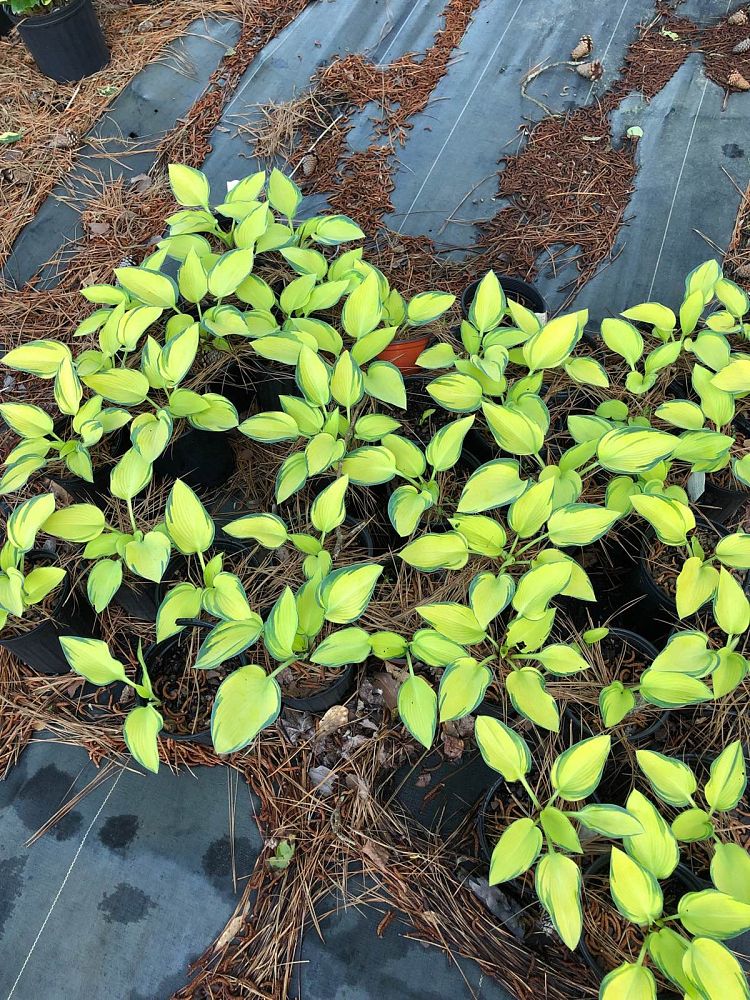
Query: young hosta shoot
[
  {"x": 20, "y": 588},
  {"x": 550, "y": 832},
  {"x": 92, "y": 659}
]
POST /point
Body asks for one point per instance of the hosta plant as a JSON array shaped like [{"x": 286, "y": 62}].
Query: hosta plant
[
  {"x": 22, "y": 587},
  {"x": 92, "y": 659},
  {"x": 549, "y": 835}
]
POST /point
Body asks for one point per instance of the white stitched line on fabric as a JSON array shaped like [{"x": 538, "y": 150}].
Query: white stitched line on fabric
[
  {"x": 461, "y": 114},
  {"x": 395, "y": 37},
  {"x": 64, "y": 882},
  {"x": 609, "y": 43},
  {"x": 679, "y": 179},
  {"x": 287, "y": 34}
]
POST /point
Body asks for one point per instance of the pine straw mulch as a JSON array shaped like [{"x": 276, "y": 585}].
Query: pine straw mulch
[{"x": 54, "y": 118}]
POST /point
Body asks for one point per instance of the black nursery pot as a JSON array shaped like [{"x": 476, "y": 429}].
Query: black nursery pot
[
  {"x": 682, "y": 877},
  {"x": 152, "y": 656},
  {"x": 204, "y": 460},
  {"x": 67, "y": 43},
  {"x": 6, "y": 25},
  {"x": 723, "y": 503},
  {"x": 515, "y": 289},
  {"x": 643, "y": 737},
  {"x": 39, "y": 648},
  {"x": 320, "y": 701}
]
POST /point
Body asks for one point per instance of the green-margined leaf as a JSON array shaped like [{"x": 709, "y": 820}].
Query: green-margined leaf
[
  {"x": 130, "y": 475},
  {"x": 731, "y": 607},
  {"x": 667, "y": 948},
  {"x": 406, "y": 506},
  {"x": 92, "y": 659},
  {"x": 80, "y": 522},
  {"x": 270, "y": 427},
  {"x": 608, "y": 820},
  {"x": 444, "y": 450},
  {"x": 672, "y": 690},
  {"x": 42, "y": 358},
  {"x": 516, "y": 850},
  {"x": 40, "y": 582},
  {"x": 224, "y": 597},
  {"x": 628, "y": 982},
  {"x": 714, "y": 971},
  {"x": 26, "y": 420},
  {"x": 434, "y": 649},
  {"x": 634, "y": 450},
  {"x": 247, "y": 701},
  {"x": 384, "y": 381},
  {"x": 281, "y": 627},
  {"x": 671, "y": 779},
  {"x": 462, "y": 688},
  {"x": 388, "y": 645},
  {"x": 726, "y": 785},
  {"x": 615, "y": 702},
  {"x": 349, "y": 645},
  {"x": 328, "y": 510},
  {"x": 187, "y": 521},
  {"x": 696, "y": 585},
  {"x": 267, "y": 529},
  {"x": 577, "y": 772},
  {"x": 27, "y": 519},
  {"x": 345, "y": 593},
  {"x": 529, "y": 512},
  {"x": 513, "y": 430},
  {"x": 181, "y": 601},
  {"x": 492, "y": 485},
  {"x": 558, "y": 886},
  {"x": 227, "y": 640},
  {"x": 140, "y": 730},
  {"x": 686, "y": 653},
  {"x": 103, "y": 582},
  {"x": 454, "y": 621},
  {"x": 559, "y": 829},
  {"x": 538, "y": 586},
  {"x": 291, "y": 477},
  {"x": 580, "y": 524},
  {"x": 504, "y": 750},
  {"x": 456, "y": 392},
  {"x": 432, "y": 552},
  {"x": 189, "y": 186},
  {"x": 734, "y": 550},
  {"x": 692, "y": 824},
  {"x": 635, "y": 891},
  {"x": 730, "y": 871},
  {"x": 655, "y": 848},
  {"x": 560, "y": 659},
  {"x": 417, "y": 706},
  {"x": 530, "y": 698},
  {"x": 670, "y": 519},
  {"x": 714, "y": 914},
  {"x": 489, "y": 595},
  {"x": 369, "y": 465}
]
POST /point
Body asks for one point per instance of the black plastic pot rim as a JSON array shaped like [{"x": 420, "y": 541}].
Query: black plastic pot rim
[
  {"x": 325, "y": 697},
  {"x": 64, "y": 586}
]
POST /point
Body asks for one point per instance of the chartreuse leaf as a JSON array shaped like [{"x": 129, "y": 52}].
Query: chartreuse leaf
[
  {"x": 560, "y": 659},
  {"x": 42, "y": 358},
  {"x": 623, "y": 338},
  {"x": 529, "y": 697},
  {"x": 281, "y": 626},
  {"x": 283, "y": 194},
  {"x": 714, "y": 914},
  {"x": 369, "y": 465},
  {"x": 635, "y": 891},
  {"x": 655, "y": 848},
  {"x": 187, "y": 521},
  {"x": 734, "y": 550},
  {"x": 558, "y": 886},
  {"x": 462, "y": 688},
  {"x": 227, "y": 640},
  {"x": 417, "y": 706},
  {"x": 267, "y": 529},
  {"x": 141, "y": 728},
  {"x": 405, "y": 508},
  {"x": 529, "y": 512},
  {"x": 553, "y": 343},
  {"x": 388, "y": 645},
  {"x": 577, "y": 772},
  {"x": 671, "y": 779},
  {"x": 628, "y": 982},
  {"x": 615, "y": 701},
  {"x": 634, "y": 450},
  {"x": 328, "y": 510},
  {"x": 687, "y": 653},
  {"x": 426, "y": 307},
  {"x": 40, "y": 582},
  {"x": 672, "y": 690},
  {"x": 489, "y": 595},
  {"x": 270, "y": 427},
  {"x": 149, "y": 287},
  {"x": 692, "y": 824},
  {"x": 538, "y": 586},
  {"x": 696, "y": 585},
  {"x": 730, "y": 673},
  {"x": 92, "y": 659},
  {"x": 484, "y": 536},
  {"x": 516, "y": 850},
  {"x": 26, "y": 420},
  {"x": 492, "y": 485},
  {"x": 130, "y": 475},
  {"x": 349, "y": 645},
  {"x": 670, "y": 519},
  {"x": 80, "y": 522},
  {"x": 224, "y": 597},
  {"x": 335, "y": 229},
  {"x": 714, "y": 971},
  {"x": 182, "y": 601},
  {"x": 667, "y": 948},
  {"x": 189, "y": 186},
  {"x": 580, "y": 524},
  {"x": 558, "y": 828},
  {"x": 444, "y": 450},
  {"x": 731, "y": 606},
  {"x": 608, "y": 820},
  {"x": 726, "y": 785},
  {"x": 513, "y": 430},
  {"x": 103, "y": 582},
  {"x": 730, "y": 871},
  {"x": 502, "y": 749},
  {"x": 384, "y": 381},
  {"x": 345, "y": 593},
  {"x": 247, "y": 701},
  {"x": 454, "y": 621},
  {"x": 27, "y": 519},
  {"x": 434, "y": 649}
]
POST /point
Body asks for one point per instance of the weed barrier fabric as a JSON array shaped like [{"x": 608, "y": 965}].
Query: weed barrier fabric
[
  {"x": 122, "y": 144},
  {"x": 142, "y": 865}
]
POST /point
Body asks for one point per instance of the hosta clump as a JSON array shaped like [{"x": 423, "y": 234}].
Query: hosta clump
[
  {"x": 250, "y": 698},
  {"x": 685, "y": 946},
  {"x": 92, "y": 659},
  {"x": 21, "y": 587},
  {"x": 550, "y": 833}
]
